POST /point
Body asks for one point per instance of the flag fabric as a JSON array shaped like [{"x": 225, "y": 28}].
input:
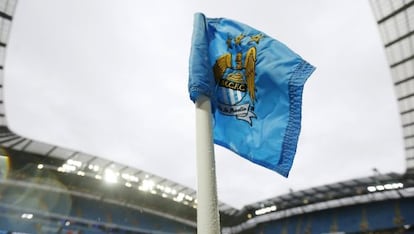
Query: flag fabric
[{"x": 255, "y": 85}]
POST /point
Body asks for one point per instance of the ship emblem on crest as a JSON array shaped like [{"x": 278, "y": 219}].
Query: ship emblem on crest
[{"x": 234, "y": 73}]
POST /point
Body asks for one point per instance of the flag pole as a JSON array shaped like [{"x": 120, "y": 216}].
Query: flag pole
[{"x": 208, "y": 221}]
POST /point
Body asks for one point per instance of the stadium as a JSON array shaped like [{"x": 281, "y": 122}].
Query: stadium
[{"x": 49, "y": 189}]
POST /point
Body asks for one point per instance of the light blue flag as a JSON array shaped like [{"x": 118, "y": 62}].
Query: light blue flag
[{"x": 255, "y": 84}]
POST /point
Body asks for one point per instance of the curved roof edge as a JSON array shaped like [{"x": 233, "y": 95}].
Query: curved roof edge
[{"x": 343, "y": 193}]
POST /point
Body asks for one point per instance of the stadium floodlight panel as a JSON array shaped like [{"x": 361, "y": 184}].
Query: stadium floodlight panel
[
  {"x": 68, "y": 168},
  {"x": 110, "y": 176},
  {"x": 129, "y": 177},
  {"x": 75, "y": 163},
  {"x": 170, "y": 190},
  {"x": 265, "y": 210},
  {"x": 188, "y": 198},
  {"x": 371, "y": 189},
  {"x": 180, "y": 197},
  {"x": 93, "y": 167},
  {"x": 389, "y": 186},
  {"x": 27, "y": 216},
  {"x": 147, "y": 185}
]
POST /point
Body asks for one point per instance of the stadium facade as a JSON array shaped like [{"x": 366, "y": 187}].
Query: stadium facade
[
  {"x": 396, "y": 25},
  {"x": 50, "y": 189}
]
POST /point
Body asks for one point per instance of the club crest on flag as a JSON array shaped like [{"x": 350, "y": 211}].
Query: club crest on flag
[
  {"x": 255, "y": 85},
  {"x": 234, "y": 73}
]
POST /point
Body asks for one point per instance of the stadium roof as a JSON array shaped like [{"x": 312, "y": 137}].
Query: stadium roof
[
  {"x": 395, "y": 21},
  {"x": 72, "y": 165},
  {"x": 344, "y": 193},
  {"x": 82, "y": 164}
]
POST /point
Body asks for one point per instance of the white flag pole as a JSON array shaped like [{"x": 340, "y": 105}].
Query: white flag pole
[{"x": 208, "y": 221}]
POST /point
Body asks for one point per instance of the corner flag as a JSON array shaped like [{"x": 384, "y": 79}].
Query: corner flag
[{"x": 255, "y": 84}]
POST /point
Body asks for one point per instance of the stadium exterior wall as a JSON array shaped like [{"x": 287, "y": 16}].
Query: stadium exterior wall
[{"x": 395, "y": 20}]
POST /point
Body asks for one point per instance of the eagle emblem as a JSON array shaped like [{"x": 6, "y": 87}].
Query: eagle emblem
[{"x": 234, "y": 73}]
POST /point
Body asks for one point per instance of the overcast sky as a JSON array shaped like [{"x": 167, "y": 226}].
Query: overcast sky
[{"x": 109, "y": 78}]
